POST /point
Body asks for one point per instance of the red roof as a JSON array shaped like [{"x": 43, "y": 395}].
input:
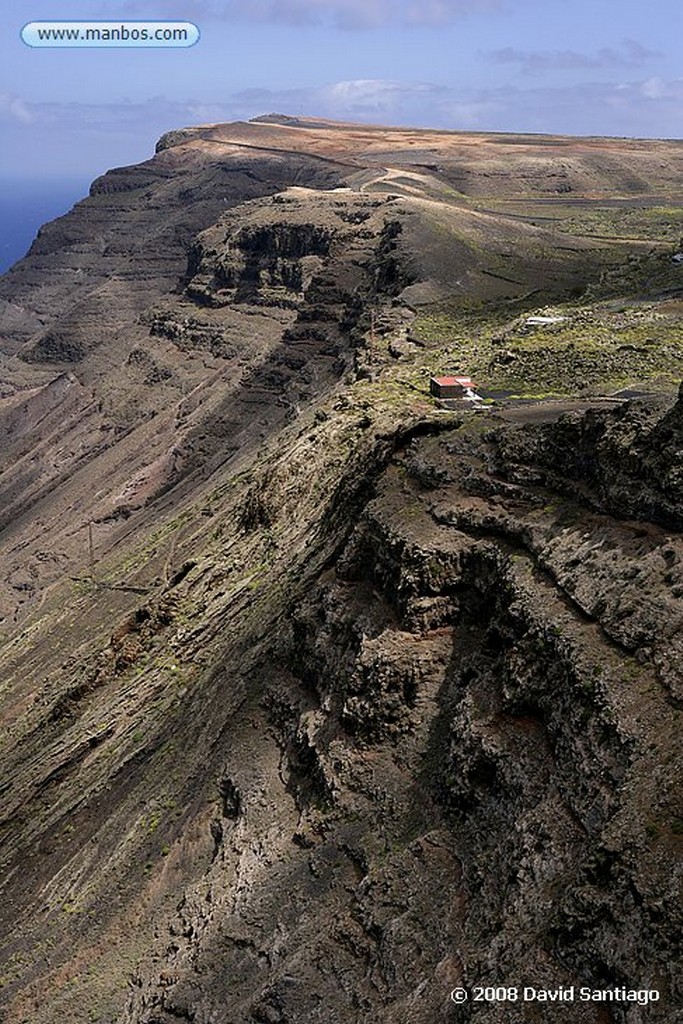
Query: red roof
[{"x": 464, "y": 382}]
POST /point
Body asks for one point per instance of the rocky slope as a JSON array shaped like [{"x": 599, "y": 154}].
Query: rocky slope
[{"x": 319, "y": 702}]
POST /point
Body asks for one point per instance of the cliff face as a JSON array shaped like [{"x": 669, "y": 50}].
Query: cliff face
[
  {"x": 474, "y": 732},
  {"x": 320, "y": 702}
]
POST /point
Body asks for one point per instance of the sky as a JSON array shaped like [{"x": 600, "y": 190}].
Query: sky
[{"x": 599, "y": 67}]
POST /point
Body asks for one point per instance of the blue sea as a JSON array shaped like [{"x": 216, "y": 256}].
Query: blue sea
[{"x": 25, "y": 206}]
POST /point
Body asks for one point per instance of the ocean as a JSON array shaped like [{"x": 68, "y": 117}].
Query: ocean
[{"x": 25, "y": 206}]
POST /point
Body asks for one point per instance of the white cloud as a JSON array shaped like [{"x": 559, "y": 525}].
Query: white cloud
[
  {"x": 84, "y": 139},
  {"x": 347, "y": 14},
  {"x": 648, "y": 108},
  {"x": 629, "y": 54},
  {"x": 372, "y": 95},
  {"x": 470, "y": 114},
  {"x": 14, "y": 108},
  {"x": 656, "y": 89}
]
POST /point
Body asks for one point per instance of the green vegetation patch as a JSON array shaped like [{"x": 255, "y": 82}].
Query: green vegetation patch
[
  {"x": 596, "y": 348},
  {"x": 653, "y": 223}
]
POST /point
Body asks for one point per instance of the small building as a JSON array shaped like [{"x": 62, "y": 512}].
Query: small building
[
  {"x": 544, "y": 321},
  {"x": 677, "y": 257},
  {"x": 451, "y": 387}
]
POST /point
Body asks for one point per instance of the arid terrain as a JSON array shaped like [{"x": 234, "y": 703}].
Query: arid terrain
[{"x": 319, "y": 700}]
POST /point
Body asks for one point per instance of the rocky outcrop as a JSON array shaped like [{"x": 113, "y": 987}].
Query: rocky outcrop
[{"x": 629, "y": 461}]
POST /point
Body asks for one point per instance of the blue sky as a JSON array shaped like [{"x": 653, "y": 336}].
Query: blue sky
[{"x": 609, "y": 67}]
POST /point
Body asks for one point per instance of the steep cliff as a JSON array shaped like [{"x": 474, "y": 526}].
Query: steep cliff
[{"x": 319, "y": 701}]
